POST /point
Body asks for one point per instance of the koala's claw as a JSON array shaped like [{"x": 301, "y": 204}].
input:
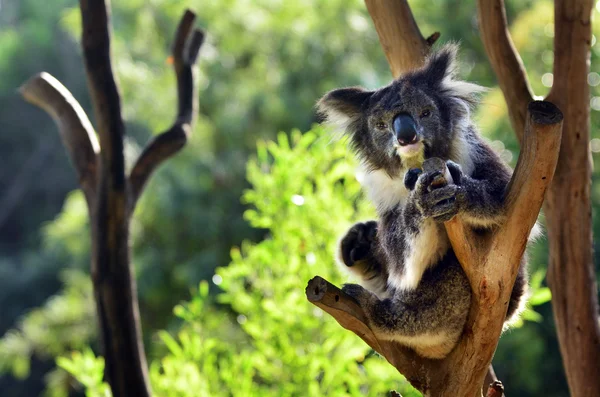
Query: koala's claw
[
  {"x": 441, "y": 204},
  {"x": 410, "y": 179},
  {"x": 356, "y": 244},
  {"x": 455, "y": 171}
]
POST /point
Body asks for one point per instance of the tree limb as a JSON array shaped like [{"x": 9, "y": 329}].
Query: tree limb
[
  {"x": 404, "y": 46},
  {"x": 115, "y": 289},
  {"x": 185, "y": 51},
  {"x": 568, "y": 205},
  {"x": 95, "y": 40},
  {"x": 505, "y": 60},
  {"x": 76, "y": 131}
]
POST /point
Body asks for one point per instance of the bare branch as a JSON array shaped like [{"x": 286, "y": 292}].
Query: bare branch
[
  {"x": 185, "y": 51},
  {"x": 404, "y": 46},
  {"x": 348, "y": 313},
  {"x": 505, "y": 61},
  {"x": 76, "y": 131},
  {"x": 532, "y": 176},
  {"x": 571, "y": 274}
]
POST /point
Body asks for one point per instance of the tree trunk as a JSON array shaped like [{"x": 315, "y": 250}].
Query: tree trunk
[
  {"x": 110, "y": 193},
  {"x": 568, "y": 204}
]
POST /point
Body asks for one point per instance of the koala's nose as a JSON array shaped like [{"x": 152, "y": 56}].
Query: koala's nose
[{"x": 405, "y": 129}]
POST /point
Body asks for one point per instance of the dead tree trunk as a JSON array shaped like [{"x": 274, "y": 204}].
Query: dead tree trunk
[
  {"x": 490, "y": 262},
  {"x": 110, "y": 193}
]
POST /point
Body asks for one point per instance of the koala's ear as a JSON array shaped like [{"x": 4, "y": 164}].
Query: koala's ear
[
  {"x": 439, "y": 72},
  {"x": 441, "y": 64},
  {"x": 343, "y": 106}
]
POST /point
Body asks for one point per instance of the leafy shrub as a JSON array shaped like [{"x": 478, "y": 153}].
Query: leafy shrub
[{"x": 268, "y": 340}]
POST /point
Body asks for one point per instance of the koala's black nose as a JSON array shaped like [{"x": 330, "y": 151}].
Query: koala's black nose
[{"x": 405, "y": 129}]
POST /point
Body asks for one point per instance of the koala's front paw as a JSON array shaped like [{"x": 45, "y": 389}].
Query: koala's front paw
[
  {"x": 356, "y": 244},
  {"x": 437, "y": 199}
]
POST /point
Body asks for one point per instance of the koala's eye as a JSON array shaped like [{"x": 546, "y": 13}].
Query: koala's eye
[
  {"x": 380, "y": 125},
  {"x": 425, "y": 113}
]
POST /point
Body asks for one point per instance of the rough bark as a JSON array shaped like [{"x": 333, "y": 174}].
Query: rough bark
[
  {"x": 110, "y": 194},
  {"x": 490, "y": 262},
  {"x": 404, "y": 46},
  {"x": 568, "y": 204}
]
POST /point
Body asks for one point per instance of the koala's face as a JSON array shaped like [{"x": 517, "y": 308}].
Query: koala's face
[{"x": 415, "y": 117}]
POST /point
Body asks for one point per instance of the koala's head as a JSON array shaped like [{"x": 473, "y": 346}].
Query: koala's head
[{"x": 417, "y": 116}]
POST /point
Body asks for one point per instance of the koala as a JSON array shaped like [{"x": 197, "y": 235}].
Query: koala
[{"x": 412, "y": 287}]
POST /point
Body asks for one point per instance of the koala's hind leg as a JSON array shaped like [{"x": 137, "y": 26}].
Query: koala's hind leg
[
  {"x": 518, "y": 297},
  {"x": 429, "y": 319},
  {"x": 358, "y": 252}
]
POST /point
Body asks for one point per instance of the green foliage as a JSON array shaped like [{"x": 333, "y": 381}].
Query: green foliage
[
  {"x": 305, "y": 192},
  {"x": 62, "y": 324}
]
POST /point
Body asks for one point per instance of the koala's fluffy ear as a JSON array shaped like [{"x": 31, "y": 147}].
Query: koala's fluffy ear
[
  {"x": 341, "y": 107},
  {"x": 439, "y": 71},
  {"x": 441, "y": 64}
]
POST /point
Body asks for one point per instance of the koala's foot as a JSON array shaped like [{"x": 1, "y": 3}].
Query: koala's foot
[
  {"x": 364, "y": 297},
  {"x": 357, "y": 243},
  {"x": 433, "y": 195}
]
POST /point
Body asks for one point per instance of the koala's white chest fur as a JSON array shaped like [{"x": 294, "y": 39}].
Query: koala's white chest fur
[
  {"x": 431, "y": 243},
  {"x": 383, "y": 191}
]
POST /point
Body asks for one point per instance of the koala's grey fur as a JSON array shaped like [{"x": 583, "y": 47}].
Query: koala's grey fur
[{"x": 413, "y": 288}]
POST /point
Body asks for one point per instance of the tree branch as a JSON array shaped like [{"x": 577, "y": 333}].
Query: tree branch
[
  {"x": 505, "y": 60},
  {"x": 404, "y": 46},
  {"x": 76, "y": 131},
  {"x": 104, "y": 93},
  {"x": 568, "y": 205},
  {"x": 348, "y": 313},
  {"x": 185, "y": 51}
]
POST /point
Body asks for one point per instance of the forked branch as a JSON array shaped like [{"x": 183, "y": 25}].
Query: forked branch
[{"x": 185, "y": 51}]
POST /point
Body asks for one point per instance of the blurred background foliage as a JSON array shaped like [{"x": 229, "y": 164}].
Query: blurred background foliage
[{"x": 241, "y": 325}]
